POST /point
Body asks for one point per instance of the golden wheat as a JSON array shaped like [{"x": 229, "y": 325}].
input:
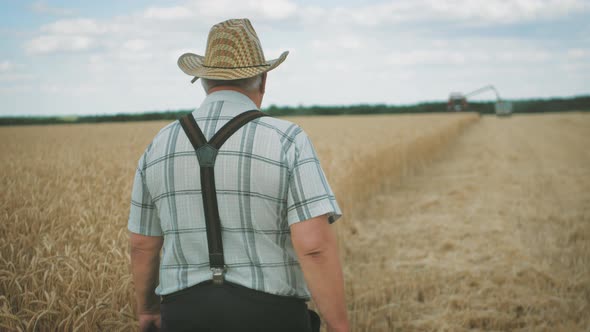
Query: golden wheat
[{"x": 65, "y": 199}]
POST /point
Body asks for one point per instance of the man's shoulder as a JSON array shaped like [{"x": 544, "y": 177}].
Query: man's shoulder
[
  {"x": 162, "y": 137},
  {"x": 284, "y": 128},
  {"x": 165, "y": 131}
]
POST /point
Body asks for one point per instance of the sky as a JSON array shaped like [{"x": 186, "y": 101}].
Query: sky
[{"x": 68, "y": 57}]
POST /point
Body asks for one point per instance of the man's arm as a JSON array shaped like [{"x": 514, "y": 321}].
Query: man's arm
[
  {"x": 316, "y": 248},
  {"x": 145, "y": 262}
]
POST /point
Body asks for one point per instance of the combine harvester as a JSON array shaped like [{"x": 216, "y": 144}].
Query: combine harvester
[{"x": 458, "y": 101}]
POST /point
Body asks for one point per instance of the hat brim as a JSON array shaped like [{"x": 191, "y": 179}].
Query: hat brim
[{"x": 192, "y": 64}]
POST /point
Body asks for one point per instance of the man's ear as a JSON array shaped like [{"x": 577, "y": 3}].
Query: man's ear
[{"x": 263, "y": 84}]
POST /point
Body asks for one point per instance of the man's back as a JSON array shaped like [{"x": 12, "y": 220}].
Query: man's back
[
  {"x": 267, "y": 178},
  {"x": 273, "y": 200}
]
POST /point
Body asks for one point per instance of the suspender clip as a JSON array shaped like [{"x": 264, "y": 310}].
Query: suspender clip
[{"x": 218, "y": 275}]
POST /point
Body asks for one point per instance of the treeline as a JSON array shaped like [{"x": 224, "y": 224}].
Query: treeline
[
  {"x": 121, "y": 117},
  {"x": 581, "y": 103}
]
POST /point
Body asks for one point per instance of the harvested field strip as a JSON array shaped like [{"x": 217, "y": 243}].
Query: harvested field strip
[
  {"x": 494, "y": 236},
  {"x": 364, "y": 154}
]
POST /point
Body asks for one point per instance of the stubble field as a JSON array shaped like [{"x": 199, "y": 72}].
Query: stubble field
[{"x": 452, "y": 222}]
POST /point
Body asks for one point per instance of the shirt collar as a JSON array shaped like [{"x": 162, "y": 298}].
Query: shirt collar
[{"x": 231, "y": 97}]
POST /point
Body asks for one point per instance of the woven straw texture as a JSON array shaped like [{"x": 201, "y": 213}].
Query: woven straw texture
[{"x": 233, "y": 52}]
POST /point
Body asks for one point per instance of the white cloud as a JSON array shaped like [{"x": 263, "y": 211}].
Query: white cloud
[
  {"x": 167, "y": 13},
  {"x": 12, "y": 73},
  {"x": 13, "y": 89},
  {"x": 254, "y": 9},
  {"x": 43, "y": 8},
  {"x": 11, "y": 78},
  {"x": 500, "y": 11},
  {"x": 80, "y": 34},
  {"x": 578, "y": 54},
  {"x": 69, "y": 90},
  {"x": 6, "y": 66},
  {"x": 340, "y": 42},
  {"x": 135, "y": 45},
  {"x": 54, "y": 43},
  {"x": 275, "y": 9},
  {"x": 464, "y": 56},
  {"x": 220, "y": 9},
  {"x": 133, "y": 56},
  {"x": 427, "y": 57},
  {"x": 456, "y": 11},
  {"x": 76, "y": 26},
  {"x": 69, "y": 35}
]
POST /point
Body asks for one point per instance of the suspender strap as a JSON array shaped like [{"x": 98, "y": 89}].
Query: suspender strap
[{"x": 207, "y": 154}]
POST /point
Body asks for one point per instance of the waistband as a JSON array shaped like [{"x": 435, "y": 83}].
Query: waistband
[{"x": 240, "y": 290}]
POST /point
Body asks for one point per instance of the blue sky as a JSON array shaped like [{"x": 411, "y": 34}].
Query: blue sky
[{"x": 98, "y": 57}]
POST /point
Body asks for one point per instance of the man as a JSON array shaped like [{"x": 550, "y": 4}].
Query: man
[{"x": 272, "y": 200}]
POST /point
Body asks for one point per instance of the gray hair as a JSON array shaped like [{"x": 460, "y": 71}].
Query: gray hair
[{"x": 249, "y": 84}]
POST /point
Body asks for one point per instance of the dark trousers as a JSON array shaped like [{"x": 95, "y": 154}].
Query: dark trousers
[{"x": 230, "y": 307}]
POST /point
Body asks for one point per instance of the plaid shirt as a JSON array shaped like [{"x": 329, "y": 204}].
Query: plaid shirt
[{"x": 267, "y": 176}]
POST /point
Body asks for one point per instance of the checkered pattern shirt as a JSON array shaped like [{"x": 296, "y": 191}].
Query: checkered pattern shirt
[{"x": 267, "y": 176}]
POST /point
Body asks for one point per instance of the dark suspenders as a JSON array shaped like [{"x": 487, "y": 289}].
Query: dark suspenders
[{"x": 206, "y": 154}]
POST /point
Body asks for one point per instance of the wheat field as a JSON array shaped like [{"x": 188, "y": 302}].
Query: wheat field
[{"x": 452, "y": 222}]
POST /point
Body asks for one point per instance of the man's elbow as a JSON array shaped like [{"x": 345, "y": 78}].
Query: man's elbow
[{"x": 313, "y": 238}]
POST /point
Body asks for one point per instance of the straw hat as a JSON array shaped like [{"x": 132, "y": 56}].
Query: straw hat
[{"x": 233, "y": 52}]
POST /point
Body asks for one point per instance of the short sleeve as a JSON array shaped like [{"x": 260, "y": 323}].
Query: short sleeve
[
  {"x": 143, "y": 216},
  {"x": 309, "y": 193}
]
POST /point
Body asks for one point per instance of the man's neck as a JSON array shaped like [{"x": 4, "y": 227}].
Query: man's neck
[{"x": 254, "y": 96}]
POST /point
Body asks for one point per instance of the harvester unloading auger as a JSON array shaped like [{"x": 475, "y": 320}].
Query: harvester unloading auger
[{"x": 458, "y": 101}]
